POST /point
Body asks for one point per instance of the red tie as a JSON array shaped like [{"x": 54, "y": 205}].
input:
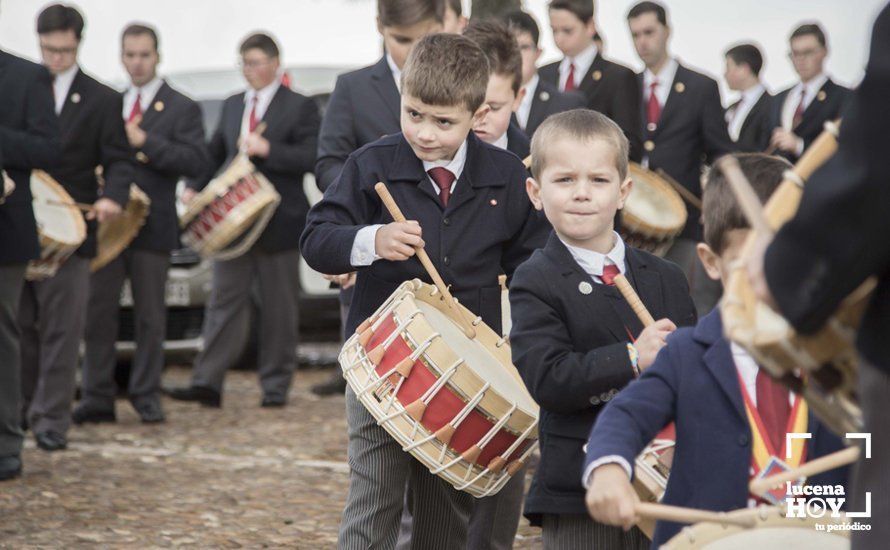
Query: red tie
[
  {"x": 137, "y": 108},
  {"x": 653, "y": 109},
  {"x": 798, "y": 113},
  {"x": 609, "y": 273},
  {"x": 253, "y": 122},
  {"x": 773, "y": 407},
  {"x": 443, "y": 178},
  {"x": 570, "y": 81}
]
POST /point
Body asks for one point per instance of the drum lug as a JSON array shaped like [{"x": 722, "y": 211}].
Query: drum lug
[
  {"x": 404, "y": 367},
  {"x": 515, "y": 466},
  {"x": 376, "y": 355},
  {"x": 416, "y": 409},
  {"x": 445, "y": 433},
  {"x": 471, "y": 455},
  {"x": 365, "y": 337},
  {"x": 497, "y": 464}
]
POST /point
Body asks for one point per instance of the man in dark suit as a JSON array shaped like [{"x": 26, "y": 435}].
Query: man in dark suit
[
  {"x": 609, "y": 88},
  {"x": 283, "y": 153},
  {"x": 812, "y": 265},
  {"x": 29, "y": 138},
  {"x": 541, "y": 98},
  {"x": 684, "y": 125},
  {"x": 53, "y": 311},
  {"x": 748, "y": 117},
  {"x": 165, "y": 130},
  {"x": 798, "y": 114}
]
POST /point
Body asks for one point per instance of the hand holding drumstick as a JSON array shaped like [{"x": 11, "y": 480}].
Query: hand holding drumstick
[{"x": 655, "y": 333}]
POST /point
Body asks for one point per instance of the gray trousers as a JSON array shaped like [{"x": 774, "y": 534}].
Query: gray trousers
[
  {"x": 580, "y": 532},
  {"x": 52, "y": 316},
  {"x": 12, "y": 280},
  {"x": 379, "y": 471},
  {"x": 873, "y": 474},
  {"x": 147, "y": 271},
  {"x": 224, "y": 335},
  {"x": 705, "y": 291}
]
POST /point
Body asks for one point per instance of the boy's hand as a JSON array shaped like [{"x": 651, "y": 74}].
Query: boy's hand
[
  {"x": 344, "y": 281},
  {"x": 396, "y": 241},
  {"x": 611, "y": 498},
  {"x": 651, "y": 340}
]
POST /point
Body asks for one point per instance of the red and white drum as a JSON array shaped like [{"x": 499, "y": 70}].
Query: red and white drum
[
  {"x": 651, "y": 471},
  {"x": 228, "y": 216},
  {"x": 456, "y": 404},
  {"x": 60, "y": 226}
]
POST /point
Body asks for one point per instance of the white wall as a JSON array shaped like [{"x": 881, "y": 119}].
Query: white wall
[{"x": 199, "y": 34}]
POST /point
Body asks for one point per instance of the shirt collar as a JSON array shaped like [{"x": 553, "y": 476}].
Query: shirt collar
[
  {"x": 67, "y": 77},
  {"x": 665, "y": 75},
  {"x": 812, "y": 87},
  {"x": 263, "y": 95},
  {"x": 395, "y": 70},
  {"x": 582, "y": 61},
  {"x": 148, "y": 91},
  {"x": 530, "y": 89},
  {"x": 593, "y": 262},
  {"x": 752, "y": 94},
  {"x": 455, "y": 165},
  {"x": 501, "y": 141}
]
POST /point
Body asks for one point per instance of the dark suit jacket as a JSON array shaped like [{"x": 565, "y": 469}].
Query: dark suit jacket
[
  {"x": 489, "y": 226},
  {"x": 363, "y": 108},
  {"x": 174, "y": 148},
  {"x": 694, "y": 383},
  {"x": 691, "y": 132},
  {"x": 517, "y": 142},
  {"x": 756, "y": 129},
  {"x": 612, "y": 90},
  {"x": 838, "y": 237},
  {"x": 93, "y": 135},
  {"x": 548, "y": 100},
  {"x": 292, "y": 129},
  {"x": 571, "y": 350},
  {"x": 827, "y": 106},
  {"x": 29, "y": 138}
]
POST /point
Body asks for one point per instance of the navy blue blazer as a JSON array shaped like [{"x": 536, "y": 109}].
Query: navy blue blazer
[
  {"x": 548, "y": 100},
  {"x": 694, "y": 383},
  {"x": 517, "y": 142},
  {"x": 828, "y": 104},
  {"x": 571, "y": 351},
  {"x": 489, "y": 226}
]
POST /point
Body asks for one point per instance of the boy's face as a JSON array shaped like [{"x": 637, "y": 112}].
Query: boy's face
[
  {"x": 453, "y": 23},
  {"x": 398, "y": 40},
  {"x": 650, "y": 38},
  {"x": 807, "y": 56},
  {"x": 735, "y": 75},
  {"x": 59, "y": 50},
  {"x": 140, "y": 58},
  {"x": 501, "y": 101},
  {"x": 580, "y": 191},
  {"x": 258, "y": 68},
  {"x": 530, "y": 54},
  {"x": 570, "y": 33},
  {"x": 436, "y": 132},
  {"x": 718, "y": 266}
]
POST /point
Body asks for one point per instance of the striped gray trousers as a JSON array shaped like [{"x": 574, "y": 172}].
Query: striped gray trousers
[
  {"x": 580, "y": 532},
  {"x": 379, "y": 472}
]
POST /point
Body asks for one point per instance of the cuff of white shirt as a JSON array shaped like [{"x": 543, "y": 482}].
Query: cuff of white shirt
[
  {"x": 799, "y": 146},
  {"x": 602, "y": 461},
  {"x": 364, "y": 252}
]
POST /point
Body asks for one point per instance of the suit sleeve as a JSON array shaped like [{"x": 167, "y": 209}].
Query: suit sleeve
[
  {"x": 560, "y": 379},
  {"x": 336, "y": 140},
  {"x": 297, "y": 154},
  {"x": 678, "y": 302},
  {"x": 714, "y": 131},
  {"x": 115, "y": 152},
  {"x": 38, "y": 145},
  {"x": 216, "y": 154},
  {"x": 626, "y": 110},
  {"x": 183, "y": 154},
  {"x": 531, "y": 235}
]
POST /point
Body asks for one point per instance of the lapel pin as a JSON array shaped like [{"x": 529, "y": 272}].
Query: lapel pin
[
  {"x": 597, "y": 75},
  {"x": 585, "y": 288},
  {"x": 680, "y": 87},
  {"x": 821, "y": 95},
  {"x": 544, "y": 96},
  {"x": 651, "y": 126},
  {"x": 75, "y": 97},
  {"x": 493, "y": 202},
  {"x": 159, "y": 106}
]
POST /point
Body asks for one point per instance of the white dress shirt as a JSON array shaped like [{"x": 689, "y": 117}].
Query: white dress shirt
[
  {"x": 593, "y": 262},
  {"x": 364, "y": 251},
  {"x": 582, "y": 63},
  {"x": 525, "y": 106},
  {"x": 792, "y": 100},
  {"x": 735, "y": 117},
  {"x": 395, "y": 70},
  {"x": 61, "y": 85},
  {"x": 501, "y": 142},
  {"x": 263, "y": 99},
  {"x": 665, "y": 79},
  {"x": 146, "y": 94}
]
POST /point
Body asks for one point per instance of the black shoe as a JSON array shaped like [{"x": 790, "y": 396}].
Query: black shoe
[
  {"x": 273, "y": 402},
  {"x": 335, "y": 386},
  {"x": 51, "y": 441},
  {"x": 10, "y": 467},
  {"x": 150, "y": 413},
  {"x": 84, "y": 414},
  {"x": 204, "y": 396}
]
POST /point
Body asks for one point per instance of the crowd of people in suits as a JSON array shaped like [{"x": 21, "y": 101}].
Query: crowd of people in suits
[{"x": 450, "y": 159}]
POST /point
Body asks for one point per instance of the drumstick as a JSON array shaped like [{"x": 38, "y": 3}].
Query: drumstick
[
  {"x": 679, "y": 514},
  {"x": 687, "y": 195},
  {"x": 397, "y": 215},
  {"x": 527, "y": 161},
  {"x": 633, "y": 299},
  {"x": 744, "y": 193},
  {"x": 823, "y": 464},
  {"x": 83, "y": 207},
  {"x": 260, "y": 128}
]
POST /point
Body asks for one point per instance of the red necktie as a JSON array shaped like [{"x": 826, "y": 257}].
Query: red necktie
[
  {"x": 137, "y": 108},
  {"x": 798, "y": 113},
  {"x": 773, "y": 407},
  {"x": 443, "y": 178},
  {"x": 570, "y": 81},
  {"x": 253, "y": 122},
  {"x": 609, "y": 273},
  {"x": 653, "y": 109}
]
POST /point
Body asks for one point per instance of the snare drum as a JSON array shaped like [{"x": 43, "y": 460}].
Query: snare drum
[
  {"x": 653, "y": 214},
  {"x": 651, "y": 471},
  {"x": 237, "y": 204},
  {"x": 60, "y": 228},
  {"x": 457, "y": 405},
  {"x": 115, "y": 235}
]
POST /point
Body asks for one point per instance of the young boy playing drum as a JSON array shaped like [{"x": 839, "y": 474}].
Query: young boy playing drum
[
  {"x": 466, "y": 206},
  {"x": 575, "y": 340},
  {"x": 710, "y": 388}
]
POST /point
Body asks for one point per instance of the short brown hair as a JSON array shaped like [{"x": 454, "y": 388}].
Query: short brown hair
[
  {"x": 720, "y": 209},
  {"x": 138, "y": 29},
  {"x": 446, "y": 70},
  {"x": 260, "y": 41},
  {"x": 649, "y": 7},
  {"x": 404, "y": 13},
  {"x": 60, "y": 17},
  {"x": 582, "y": 9},
  {"x": 500, "y": 45},
  {"x": 580, "y": 125},
  {"x": 810, "y": 29}
]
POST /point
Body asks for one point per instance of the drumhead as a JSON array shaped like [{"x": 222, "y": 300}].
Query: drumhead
[
  {"x": 653, "y": 202},
  {"x": 63, "y": 224},
  {"x": 780, "y": 538}
]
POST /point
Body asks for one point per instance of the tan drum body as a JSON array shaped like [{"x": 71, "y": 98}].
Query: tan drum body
[
  {"x": 457, "y": 405},
  {"x": 61, "y": 229},
  {"x": 653, "y": 214},
  {"x": 115, "y": 236}
]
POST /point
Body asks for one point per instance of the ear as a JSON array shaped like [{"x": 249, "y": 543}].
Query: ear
[
  {"x": 709, "y": 259},
  {"x": 518, "y": 101},
  {"x": 591, "y": 28},
  {"x": 480, "y": 113},
  {"x": 379, "y": 26},
  {"x": 624, "y": 191},
  {"x": 533, "y": 189},
  {"x": 462, "y": 24},
  {"x": 538, "y": 52}
]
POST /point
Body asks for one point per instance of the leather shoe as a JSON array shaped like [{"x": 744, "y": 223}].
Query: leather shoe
[
  {"x": 150, "y": 413},
  {"x": 335, "y": 386},
  {"x": 51, "y": 441},
  {"x": 273, "y": 402},
  {"x": 204, "y": 396},
  {"x": 84, "y": 414},
  {"x": 10, "y": 467}
]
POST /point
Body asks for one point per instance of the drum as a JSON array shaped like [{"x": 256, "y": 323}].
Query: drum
[
  {"x": 651, "y": 470},
  {"x": 771, "y": 531},
  {"x": 653, "y": 214},
  {"x": 457, "y": 405},
  {"x": 60, "y": 226},
  {"x": 116, "y": 235},
  {"x": 228, "y": 216}
]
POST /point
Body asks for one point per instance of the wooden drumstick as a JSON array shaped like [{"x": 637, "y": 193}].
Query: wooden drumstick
[
  {"x": 527, "y": 161},
  {"x": 744, "y": 194},
  {"x": 633, "y": 299},
  {"x": 260, "y": 128},
  {"x": 679, "y": 514},
  {"x": 823, "y": 464},
  {"x": 397, "y": 215},
  {"x": 83, "y": 207}
]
